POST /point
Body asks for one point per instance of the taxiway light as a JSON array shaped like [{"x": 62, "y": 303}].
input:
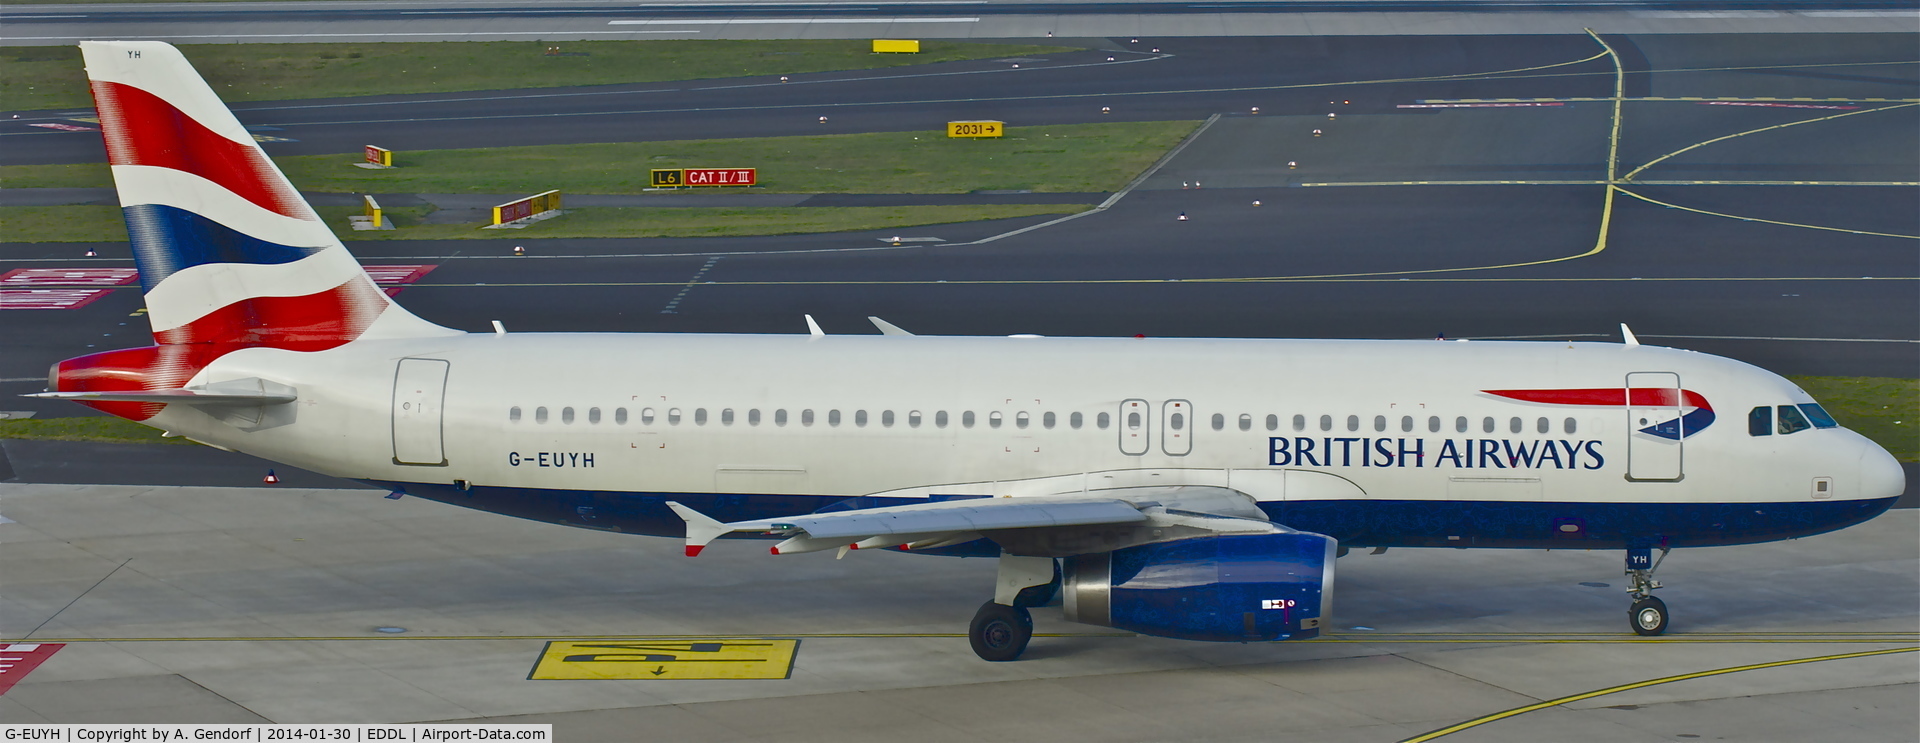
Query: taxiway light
[
  {"x": 1256, "y": 202},
  {"x": 1256, "y": 109},
  {"x": 517, "y": 250},
  {"x": 1346, "y": 103},
  {"x": 92, "y": 254},
  {"x": 1156, "y": 50},
  {"x": 783, "y": 78},
  {"x": 823, "y": 119},
  {"x": 1330, "y": 116},
  {"x": 1316, "y": 132},
  {"x": 271, "y": 479},
  {"x": 1106, "y": 110},
  {"x": 1181, "y": 218},
  {"x": 1016, "y": 66},
  {"x": 1134, "y": 41},
  {"x": 1291, "y": 165},
  {"x": 1109, "y": 59}
]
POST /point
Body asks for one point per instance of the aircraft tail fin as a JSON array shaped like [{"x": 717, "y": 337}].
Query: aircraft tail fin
[{"x": 228, "y": 251}]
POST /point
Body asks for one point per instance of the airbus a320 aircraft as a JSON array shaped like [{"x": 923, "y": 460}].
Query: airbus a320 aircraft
[{"x": 1186, "y": 488}]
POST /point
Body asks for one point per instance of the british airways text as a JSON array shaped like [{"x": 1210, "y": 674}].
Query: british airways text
[{"x": 1356, "y": 451}]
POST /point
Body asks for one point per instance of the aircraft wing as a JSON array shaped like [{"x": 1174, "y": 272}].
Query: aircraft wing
[
  {"x": 940, "y": 523},
  {"x": 914, "y": 522}
]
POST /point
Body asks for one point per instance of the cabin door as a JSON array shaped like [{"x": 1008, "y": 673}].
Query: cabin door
[
  {"x": 419, "y": 396},
  {"x": 1654, "y": 427},
  {"x": 1176, "y": 427},
  {"x": 1136, "y": 427}
]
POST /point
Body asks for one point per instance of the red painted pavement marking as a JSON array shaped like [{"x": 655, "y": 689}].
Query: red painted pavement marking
[
  {"x": 399, "y": 274},
  {"x": 1777, "y": 105},
  {"x": 66, "y": 127},
  {"x": 68, "y": 277},
  {"x": 1478, "y": 105},
  {"x": 20, "y": 658},
  {"x": 49, "y": 299}
]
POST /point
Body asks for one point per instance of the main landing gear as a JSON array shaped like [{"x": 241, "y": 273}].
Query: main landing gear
[
  {"x": 1648, "y": 615},
  {"x": 1000, "y": 632},
  {"x": 1002, "y": 627}
]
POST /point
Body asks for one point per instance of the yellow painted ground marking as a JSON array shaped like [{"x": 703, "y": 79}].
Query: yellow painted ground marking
[
  {"x": 666, "y": 659},
  {"x": 1764, "y": 221},
  {"x": 550, "y": 638},
  {"x": 1476, "y": 722},
  {"x": 1650, "y": 163}
]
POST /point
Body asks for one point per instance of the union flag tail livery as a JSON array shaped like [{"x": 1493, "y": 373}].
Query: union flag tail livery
[
  {"x": 1181, "y": 487},
  {"x": 230, "y": 255}
]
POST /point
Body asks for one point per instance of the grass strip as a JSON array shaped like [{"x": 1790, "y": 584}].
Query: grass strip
[
  {"x": 87, "y": 428},
  {"x": 86, "y": 223},
  {"x": 1064, "y": 158},
  {"x": 1885, "y": 409},
  {"x": 52, "y": 77}
]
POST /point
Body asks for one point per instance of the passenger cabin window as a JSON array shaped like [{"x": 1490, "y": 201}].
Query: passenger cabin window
[
  {"x": 1299, "y": 423},
  {"x": 753, "y": 416},
  {"x": 913, "y": 419},
  {"x": 726, "y": 416},
  {"x": 1219, "y": 422},
  {"x": 1460, "y": 424},
  {"x": 673, "y": 416},
  {"x": 1273, "y": 422},
  {"x": 780, "y": 417},
  {"x": 700, "y": 416},
  {"x": 646, "y": 416},
  {"x": 1486, "y": 424},
  {"x": 1021, "y": 419},
  {"x": 1515, "y": 425},
  {"x": 1570, "y": 426},
  {"x": 1379, "y": 423},
  {"x": 1433, "y": 424},
  {"x": 1406, "y": 424},
  {"x": 833, "y": 417},
  {"x": 1105, "y": 419},
  {"x": 886, "y": 418},
  {"x": 620, "y": 416},
  {"x": 1133, "y": 421},
  {"x": 1326, "y": 423},
  {"x": 593, "y": 416},
  {"x": 1792, "y": 420},
  {"x": 940, "y": 419},
  {"x": 1077, "y": 420},
  {"x": 513, "y": 414},
  {"x": 860, "y": 418},
  {"x": 540, "y": 414},
  {"x": 1760, "y": 421},
  {"x": 566, "y": 415},
  {"x": 1544, "y": 426},
  {"x": 1818, "y": 415},
  {"x": 1246, "y": 422},
  {"x": 966, "y": 419},
  {"x": 1049, "y": 420},
  {"x": 806, "y": 417},
  {"x": 994, "y": 419}
]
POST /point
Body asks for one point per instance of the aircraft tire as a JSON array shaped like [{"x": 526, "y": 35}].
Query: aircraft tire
[
  {"x": 1648, "y": 616},
  {"x": 999, "y": 632}
]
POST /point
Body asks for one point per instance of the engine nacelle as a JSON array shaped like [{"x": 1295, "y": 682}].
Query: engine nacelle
[{"x": 1222, "y": 588}]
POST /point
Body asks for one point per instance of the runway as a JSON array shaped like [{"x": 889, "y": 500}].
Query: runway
[{"x": 250, "y": 605}]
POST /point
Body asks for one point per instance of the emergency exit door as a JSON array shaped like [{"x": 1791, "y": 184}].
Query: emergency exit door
[
  {"x": 1655, "y": 430},
  {"x": 1136, "y": 426},
  {"x": 419, "y": 396}
]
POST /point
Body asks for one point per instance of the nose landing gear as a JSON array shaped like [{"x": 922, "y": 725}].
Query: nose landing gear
[{"x": 1648, "y": 615}]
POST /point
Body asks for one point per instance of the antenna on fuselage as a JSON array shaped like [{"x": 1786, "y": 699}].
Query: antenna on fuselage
[
  {"x": 1626, "y": 335},
  {"x": 813, "y": 328}
]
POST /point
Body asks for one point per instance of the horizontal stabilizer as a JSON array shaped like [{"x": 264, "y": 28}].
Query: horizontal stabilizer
[{"x": 235, "y": 393}]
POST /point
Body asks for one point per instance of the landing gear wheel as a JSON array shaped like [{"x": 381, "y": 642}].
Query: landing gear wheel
[
  {"x": 1000, "y": 632},
  {"x": 1648, "y": 616}
]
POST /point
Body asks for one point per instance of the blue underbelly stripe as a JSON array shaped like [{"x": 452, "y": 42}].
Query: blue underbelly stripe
[{"x": 1356, "y": 523}]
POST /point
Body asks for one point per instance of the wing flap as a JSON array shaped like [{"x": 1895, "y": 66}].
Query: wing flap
[{"x": 917, "y": 520}]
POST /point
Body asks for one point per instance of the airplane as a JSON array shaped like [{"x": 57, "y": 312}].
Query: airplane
[{"x": 1199, "y": 489}]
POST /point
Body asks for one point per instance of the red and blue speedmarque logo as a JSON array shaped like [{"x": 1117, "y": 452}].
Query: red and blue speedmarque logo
[{"x": 1694, "y": 414}]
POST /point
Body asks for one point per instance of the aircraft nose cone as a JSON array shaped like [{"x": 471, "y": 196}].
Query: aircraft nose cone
[{"x": 1880, "y": 474}]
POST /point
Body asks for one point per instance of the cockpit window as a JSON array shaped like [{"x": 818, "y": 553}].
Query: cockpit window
[
  {"x": 1818, "y": 415},
  {"x": 1760, "y": 421},
  {"x": 1792, "y": 421}
]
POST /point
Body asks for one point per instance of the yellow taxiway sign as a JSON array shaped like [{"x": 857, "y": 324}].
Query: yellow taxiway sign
[{"x": 667, "y": 660}]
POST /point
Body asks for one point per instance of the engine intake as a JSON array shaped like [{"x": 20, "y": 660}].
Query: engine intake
[{"x": 1224, "y": 588}]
